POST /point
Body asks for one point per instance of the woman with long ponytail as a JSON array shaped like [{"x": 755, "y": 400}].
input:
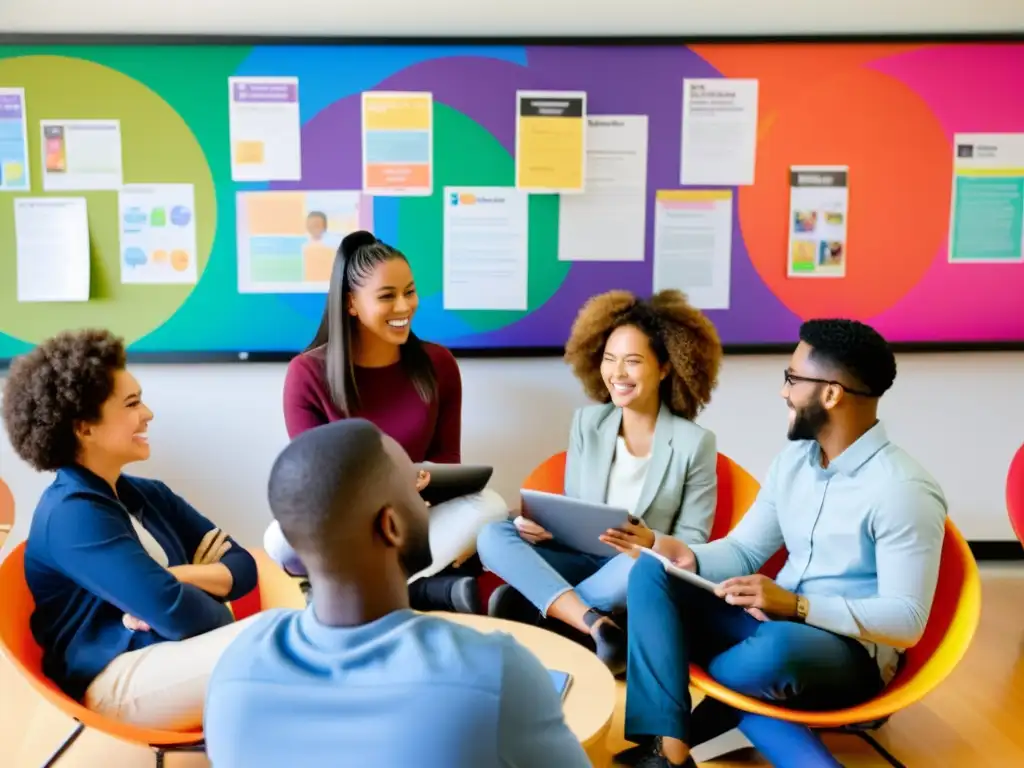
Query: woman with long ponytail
[{"x": 365, "y": 361}]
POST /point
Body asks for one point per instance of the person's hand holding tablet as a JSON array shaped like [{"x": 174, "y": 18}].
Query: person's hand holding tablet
[
  {"x": 760, "y": 596},
  {"x": 631, "y": 537},
  {"x": 531, "y": 532},
  {"x": 677, "y": 551}
]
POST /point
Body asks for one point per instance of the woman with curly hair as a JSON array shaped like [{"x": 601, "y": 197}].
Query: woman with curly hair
[
  {"x": 129, "y": 581},
  {"x": 652, "y": 365}
]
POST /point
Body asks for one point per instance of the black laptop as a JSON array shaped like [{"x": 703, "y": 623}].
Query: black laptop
[{"x": 449, "y": 481}]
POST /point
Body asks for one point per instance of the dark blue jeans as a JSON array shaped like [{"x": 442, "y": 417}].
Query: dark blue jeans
[{"x": 798, "y": 666}]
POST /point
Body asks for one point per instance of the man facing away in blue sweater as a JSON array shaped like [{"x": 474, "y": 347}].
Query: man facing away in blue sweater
[{"x": 357, "y": 678}]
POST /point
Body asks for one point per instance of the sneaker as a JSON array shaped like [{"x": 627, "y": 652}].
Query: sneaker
[
  {"x": 464, "y": 595},
  {"x": 649, "y": 756},
  {"x": 458, "y": 594},
  {"x": 506, "y": 602}
]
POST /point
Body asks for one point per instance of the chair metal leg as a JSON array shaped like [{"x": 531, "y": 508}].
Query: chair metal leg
[
  {"x": 161, "y": 752},
  {"x": 64, "y": 746},
  {"x": 889, "y": 757}
]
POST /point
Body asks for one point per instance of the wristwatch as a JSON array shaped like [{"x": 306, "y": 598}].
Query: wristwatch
[{"x": 803, "y": 606}]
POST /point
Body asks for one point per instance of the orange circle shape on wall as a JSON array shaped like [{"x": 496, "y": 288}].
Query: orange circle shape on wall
[{"x": 900, "y": 172}]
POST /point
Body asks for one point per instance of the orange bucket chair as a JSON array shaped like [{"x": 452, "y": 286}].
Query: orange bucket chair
[
  {"x": 20, "y": 647},
  {"x": 948, "y": 633},
  {"x": 6, "y": 507},
  {"x": 1014, "y": 494}
]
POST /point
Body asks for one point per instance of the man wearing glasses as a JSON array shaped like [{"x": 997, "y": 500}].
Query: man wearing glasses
[{"x": 862, "y": 523}]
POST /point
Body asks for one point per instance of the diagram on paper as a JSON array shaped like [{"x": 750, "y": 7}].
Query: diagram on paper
[
  {"x": 287, "y": 240},
  {"x": 158, "y": 233}
]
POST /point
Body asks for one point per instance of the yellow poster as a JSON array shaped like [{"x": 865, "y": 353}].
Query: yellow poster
[{"x": 551, "y": 143}]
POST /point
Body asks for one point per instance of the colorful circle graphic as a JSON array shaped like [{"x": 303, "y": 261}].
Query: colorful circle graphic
[
  {"x": 157, "y": 146},
  {"x": 899, "y": 177}
]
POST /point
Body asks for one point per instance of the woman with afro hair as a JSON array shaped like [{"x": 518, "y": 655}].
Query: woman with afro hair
[
  {"x": 651, "y": 364},
  {"x": 130, "y": 582}
]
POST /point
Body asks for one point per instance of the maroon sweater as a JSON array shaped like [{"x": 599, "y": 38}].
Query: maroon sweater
[{"x": 428, "y": 431}]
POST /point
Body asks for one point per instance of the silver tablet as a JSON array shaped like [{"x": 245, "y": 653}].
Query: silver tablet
[
  {"x": 573, "y": 523},
  {"x": 681, "y": 573}
]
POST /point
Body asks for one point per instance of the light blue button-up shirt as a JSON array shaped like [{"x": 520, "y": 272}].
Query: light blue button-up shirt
[{"x": 864, "y": 538}]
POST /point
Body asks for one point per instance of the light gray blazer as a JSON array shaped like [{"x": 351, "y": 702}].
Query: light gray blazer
[{"x": 681, "y": 490}]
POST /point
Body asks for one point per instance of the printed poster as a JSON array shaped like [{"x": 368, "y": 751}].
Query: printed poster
[
  {"x": 158, "y": 234},
  {"x": 719, "y": 137},
  {"x": 818, "y": 207},
  {"x": 81, "y": 155},
  {"x": 287, "y": 240},
  {"x": 551, "y": 141},
  {"x": 265, "y": 130},
  {"x": 693, "y": 244},
  {"x": 486, "y": 248},
  {"x": 52, "y": 248},
  {"x": 398, "y": 139},
  {"x": 987, "y": 217},
  {"x": 608, "y": 222},
  {"x": 14, "y": 169}
]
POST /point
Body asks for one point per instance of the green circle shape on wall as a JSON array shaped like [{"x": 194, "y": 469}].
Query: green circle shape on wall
[{"x": 157, "y": 147}]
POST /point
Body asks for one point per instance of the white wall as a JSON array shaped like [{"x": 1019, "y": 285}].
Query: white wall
[
  {"x": 537, "y": 17},
  {"x": 961, "y": 415}
]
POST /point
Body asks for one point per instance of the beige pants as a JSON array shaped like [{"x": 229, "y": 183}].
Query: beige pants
[{"x": 162, "y": 686}]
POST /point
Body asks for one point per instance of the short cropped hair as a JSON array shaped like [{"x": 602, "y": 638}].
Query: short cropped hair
[
  {"x": 680, "y": 335},
  {"x": 854, "y": 348},
  {"x": 62, "y": 382},
  {"x": 325, "y": 473}
]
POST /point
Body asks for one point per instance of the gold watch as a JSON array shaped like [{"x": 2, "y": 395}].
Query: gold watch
[{"x": 803, "y": 606}]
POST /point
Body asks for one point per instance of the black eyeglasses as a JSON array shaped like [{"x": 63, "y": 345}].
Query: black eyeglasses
[{"x": 791, "y": 379}]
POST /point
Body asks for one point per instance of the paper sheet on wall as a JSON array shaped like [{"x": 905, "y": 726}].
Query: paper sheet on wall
[
  {"x": 987, "y": 220},
  {"x": 719, "y": 132},
  {"x": 266, "y": 134},
  {"x": 287, "y": 240},
  {"x": 486, "y": 248},
  {"x": 608, "y": 221},
  {"x": 551, "y": 141},
  {"x": 81, "y": 155},
  {"x": 14, "y": 168},
  {"x": 693, "y": 244},
  {"x": 398, "y": 143},
  {"x": 819, "y": 200},
  {"x": 52, "y": 243},
  {"x": 158, "y": 233}
]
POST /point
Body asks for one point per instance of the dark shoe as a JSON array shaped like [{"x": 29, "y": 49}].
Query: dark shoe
[
  {"x": 456, "y": 594},
  {"x": 465, "y": 595},
  {"x": 609, "y": 641},
  {"x": 649, "y": 756},
  {"x": 508, "y": 603}
]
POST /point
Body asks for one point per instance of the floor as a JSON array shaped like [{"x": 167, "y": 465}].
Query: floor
[{"x": 973, "y": 719}]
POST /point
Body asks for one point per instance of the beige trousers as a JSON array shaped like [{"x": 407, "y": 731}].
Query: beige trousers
[{"x": 162, "y": 686}]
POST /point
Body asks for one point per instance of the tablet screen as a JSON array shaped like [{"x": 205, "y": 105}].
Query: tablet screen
[{"x": 561, "y": 682}]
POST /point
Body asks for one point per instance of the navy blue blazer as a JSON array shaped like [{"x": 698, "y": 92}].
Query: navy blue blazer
[{"x": 86, "y": 568}]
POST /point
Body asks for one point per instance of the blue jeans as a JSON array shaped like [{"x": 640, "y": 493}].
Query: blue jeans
[
  {"x": 545, "y": 572},
  {"x": 672, "y": 623}
]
